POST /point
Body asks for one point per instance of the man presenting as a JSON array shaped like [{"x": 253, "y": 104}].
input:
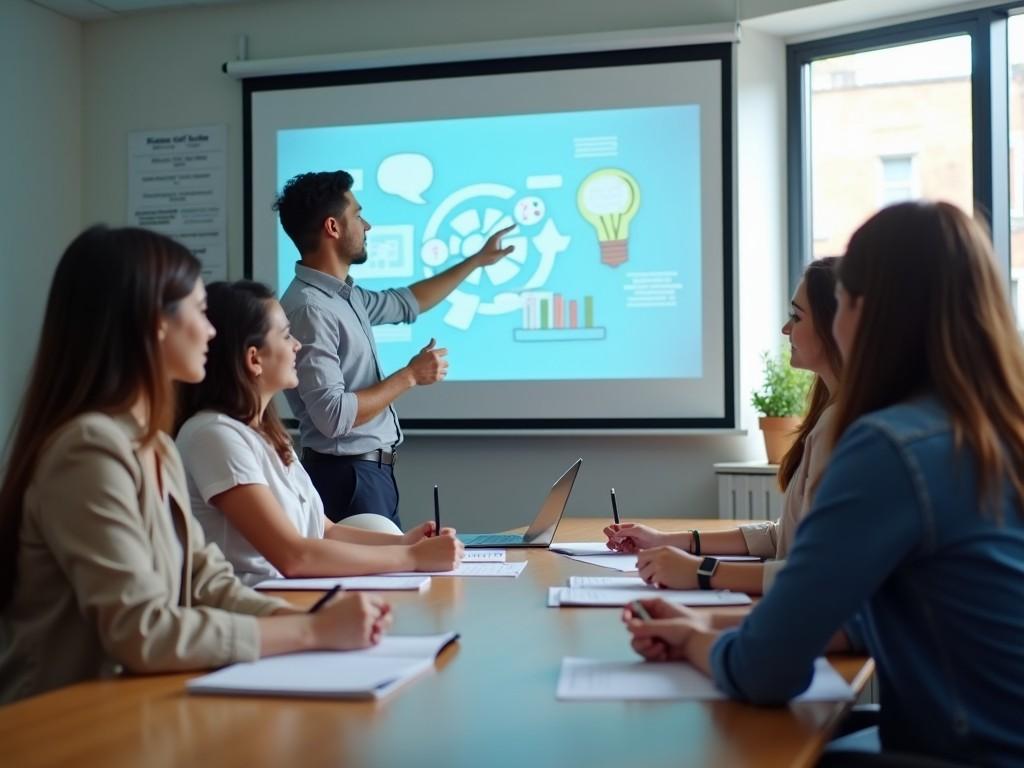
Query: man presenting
[{"x": 344, "y": 403}]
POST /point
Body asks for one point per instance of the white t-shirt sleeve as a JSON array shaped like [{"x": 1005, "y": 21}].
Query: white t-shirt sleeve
[{"x": 218, "y": 458}]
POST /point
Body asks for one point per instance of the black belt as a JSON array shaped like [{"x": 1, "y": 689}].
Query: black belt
[{"x": 379, "y": 456}]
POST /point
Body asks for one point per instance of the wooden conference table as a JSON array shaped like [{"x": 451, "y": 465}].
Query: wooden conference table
[{"x": 490, "y": 702}]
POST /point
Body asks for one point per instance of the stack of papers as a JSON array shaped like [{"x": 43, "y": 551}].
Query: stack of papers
[
  {"x": 594, "y": 680},
  {"x": 368, "y": 674},
  {"x": 614, "y": 591},
  {"x": 415, "y": 582},
  {"x": 511, "y": 570}
]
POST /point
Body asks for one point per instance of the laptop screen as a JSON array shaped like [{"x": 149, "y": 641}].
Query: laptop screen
[{"x": 542, "y": 529}]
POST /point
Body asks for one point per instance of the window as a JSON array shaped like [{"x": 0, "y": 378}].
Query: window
[
  {"x": 1015, "y": 54},
  {"x": 899, "y": 181},
  {"x": 915, "y": 110},
  {"x": 887, "y": 125}
]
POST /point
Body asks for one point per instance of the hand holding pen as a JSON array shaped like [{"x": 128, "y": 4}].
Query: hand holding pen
[{"x": 352, "y": 621}]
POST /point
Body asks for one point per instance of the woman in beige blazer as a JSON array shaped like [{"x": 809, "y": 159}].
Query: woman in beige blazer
[
  {"x": 102, "y": 567},
  {"x": 671, "y": 559}
]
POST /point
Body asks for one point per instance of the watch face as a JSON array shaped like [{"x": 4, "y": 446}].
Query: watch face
[{"x": 707, "y": 566}]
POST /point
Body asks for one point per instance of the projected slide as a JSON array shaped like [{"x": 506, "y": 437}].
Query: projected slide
[{"x": 605, "y": 279}]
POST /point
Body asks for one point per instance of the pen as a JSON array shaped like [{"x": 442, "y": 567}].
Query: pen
[
  {"x": 639, "y": 611},
  {"x": 615, "y": 508},
  {"x": 437, "y": 513},
  {"x": 327, "y": 596}
]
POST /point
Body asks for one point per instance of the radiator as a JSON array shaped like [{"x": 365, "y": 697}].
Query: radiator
[{"x": 748, "y": 491}]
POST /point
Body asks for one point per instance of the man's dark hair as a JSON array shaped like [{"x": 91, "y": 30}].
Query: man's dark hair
[{"x": 308, "y": 199}]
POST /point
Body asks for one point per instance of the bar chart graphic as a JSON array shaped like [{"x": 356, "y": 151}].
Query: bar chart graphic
[{"x": 547, "y": 316}]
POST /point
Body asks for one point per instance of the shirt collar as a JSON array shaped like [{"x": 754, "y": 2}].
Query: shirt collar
[{"x": 329, "y": 284}]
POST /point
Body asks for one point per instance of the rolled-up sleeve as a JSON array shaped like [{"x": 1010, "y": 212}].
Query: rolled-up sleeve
[
  {"x": 92, "y": 524},
  {"x": 322, "y": 387},
  {"x": 395, "y": 305},
  {"x": 769, "y": 659},
  {"x": 762, "y": 539}
]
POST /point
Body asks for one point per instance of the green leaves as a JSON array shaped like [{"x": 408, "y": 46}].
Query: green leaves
[{"x": 784, "y": 392}]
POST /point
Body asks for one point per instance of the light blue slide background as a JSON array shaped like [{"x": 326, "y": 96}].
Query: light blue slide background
[{"x": 658, "y": 146}]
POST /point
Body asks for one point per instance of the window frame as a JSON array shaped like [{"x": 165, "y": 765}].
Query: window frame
[{"x": 990, "y": 68}]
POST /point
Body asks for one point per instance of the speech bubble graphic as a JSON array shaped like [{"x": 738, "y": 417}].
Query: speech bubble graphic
[{"x": 407, "y": 175}]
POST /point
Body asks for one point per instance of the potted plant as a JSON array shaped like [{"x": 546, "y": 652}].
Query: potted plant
[{"x": 781, "y": 402}]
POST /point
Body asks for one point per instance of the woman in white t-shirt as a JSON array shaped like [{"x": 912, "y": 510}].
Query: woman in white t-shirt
[{"x": 247, "y": 487}]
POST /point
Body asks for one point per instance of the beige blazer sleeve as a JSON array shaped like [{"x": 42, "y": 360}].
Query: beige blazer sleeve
[
  {"x": 88, "y": 509},
  {"x": 817, "y": 451},
  {"x": 762, "y": 538},
  {"x": 214, "y": 582}
]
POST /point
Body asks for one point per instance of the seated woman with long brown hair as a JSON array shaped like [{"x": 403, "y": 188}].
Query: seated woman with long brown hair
[
  {"x": 671, "y": 559},
  {"x": 102, "y": 566},
  {"x": 918, "y": 523},
  {"x": 247, "y": 487}
]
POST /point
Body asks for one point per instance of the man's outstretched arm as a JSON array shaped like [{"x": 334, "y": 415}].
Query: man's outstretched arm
[{"x": 432, "y": 290}]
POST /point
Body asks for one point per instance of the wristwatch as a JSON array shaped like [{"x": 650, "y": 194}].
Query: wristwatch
[{"x": 705, "y": 571}]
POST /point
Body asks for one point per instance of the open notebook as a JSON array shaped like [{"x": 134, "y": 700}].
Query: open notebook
[{"x": 372, "y": 673}]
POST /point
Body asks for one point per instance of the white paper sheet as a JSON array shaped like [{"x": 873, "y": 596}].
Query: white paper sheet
[
  {"x": 597, "y": 553},
  {"x": 616, "y": 561},
  {"x": 511, "y": 570},
  {"x": 415, "y": 582},
  {"x": 483, "y": 556},
  {"x": 595, "y": 680},
  {"x": 612, "y": 598},
  {"x": 177, "y": 185},
  {"x": 581, "y": 548}
]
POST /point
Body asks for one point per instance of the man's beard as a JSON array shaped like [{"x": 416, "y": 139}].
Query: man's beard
[{"x": 361, "y": 257}]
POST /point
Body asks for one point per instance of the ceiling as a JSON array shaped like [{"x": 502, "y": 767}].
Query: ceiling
[
  {"x": 807, "y": 18},
  {"x": 90, "y": 10}
]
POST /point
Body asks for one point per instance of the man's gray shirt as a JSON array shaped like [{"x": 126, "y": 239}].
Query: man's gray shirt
[{"x": 332, "y": 319}]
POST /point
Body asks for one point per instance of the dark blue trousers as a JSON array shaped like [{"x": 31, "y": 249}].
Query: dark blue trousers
[{"x": 353, "y": 486}]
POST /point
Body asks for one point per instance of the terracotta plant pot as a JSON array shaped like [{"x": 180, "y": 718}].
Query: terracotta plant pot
[{"x": 779, "y": 434}]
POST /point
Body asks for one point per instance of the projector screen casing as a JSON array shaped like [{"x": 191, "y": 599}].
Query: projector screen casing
[{"x": 391, "y": 94}]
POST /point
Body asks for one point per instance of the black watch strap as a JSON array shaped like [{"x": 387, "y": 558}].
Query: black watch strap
[{"x": 704, "y": 579}]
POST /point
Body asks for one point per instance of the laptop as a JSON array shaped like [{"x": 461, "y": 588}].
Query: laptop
[{"x": 542, "y": 529}]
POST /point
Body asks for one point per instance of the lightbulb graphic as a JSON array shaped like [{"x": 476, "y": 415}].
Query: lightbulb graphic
[{"x": 608, "y": 199}]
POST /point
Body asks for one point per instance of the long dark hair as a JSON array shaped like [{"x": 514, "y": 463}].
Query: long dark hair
[
  {"x": 98, "y": 351},
  {"x": 240, "y": 313},
  {"x": 935, "y": 319},
  {"x": 820, "y": 284}
]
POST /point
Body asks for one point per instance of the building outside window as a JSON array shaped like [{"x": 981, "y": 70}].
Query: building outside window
[
  {"x": 1015, "y": 40},
  {"x": 888, "y": 125}
]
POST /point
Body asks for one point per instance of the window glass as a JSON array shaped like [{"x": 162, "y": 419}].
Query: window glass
[
  {"x": 1015, "y": 29},
  {"x": 888, "y": 125}
]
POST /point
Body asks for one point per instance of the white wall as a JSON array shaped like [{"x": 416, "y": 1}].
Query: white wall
[
  {"x": 40, "y": 187},
  {"x": 761, "y": 200},
  {"x": 163, "y": 70}
]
